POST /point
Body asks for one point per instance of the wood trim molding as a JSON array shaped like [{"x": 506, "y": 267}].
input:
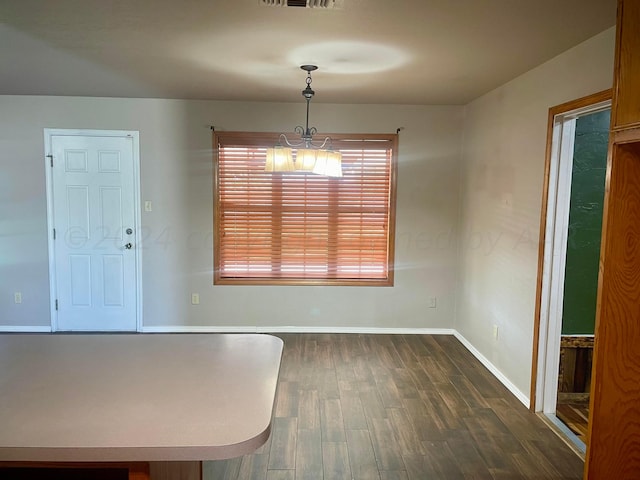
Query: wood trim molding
[
  {"x": 583, "y": 102},
  {"x": 630, "y": 135},
  {"x": 578, "y": 103}
]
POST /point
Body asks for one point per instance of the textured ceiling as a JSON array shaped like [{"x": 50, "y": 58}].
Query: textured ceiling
[{"x": 368, "y": 51}]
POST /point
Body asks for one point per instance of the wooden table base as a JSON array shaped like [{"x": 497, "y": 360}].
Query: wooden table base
[{"x": 102, "y": 471}]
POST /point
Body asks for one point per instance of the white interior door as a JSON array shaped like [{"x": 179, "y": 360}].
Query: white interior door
[{"x": 93, "y": 214}]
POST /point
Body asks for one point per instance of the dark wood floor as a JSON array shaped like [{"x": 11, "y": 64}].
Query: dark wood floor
[
  {"x": 576, "y": 417},
  {"x": 389, "y": 407}
]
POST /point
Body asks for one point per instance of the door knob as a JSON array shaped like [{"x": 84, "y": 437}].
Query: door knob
[{"x": 128, "y": 246}]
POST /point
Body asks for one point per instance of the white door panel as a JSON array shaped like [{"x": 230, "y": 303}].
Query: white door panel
[{"x": 93, "y": 211}]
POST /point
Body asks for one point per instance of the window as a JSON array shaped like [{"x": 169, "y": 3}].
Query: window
[{"x": 298, "y": 228}]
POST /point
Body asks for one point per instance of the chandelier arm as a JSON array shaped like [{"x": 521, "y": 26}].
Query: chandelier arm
[
  {"x": 306, "y": 142},
  {"x": 284, "y": 140},
  {"x": 327, "y": 140}
]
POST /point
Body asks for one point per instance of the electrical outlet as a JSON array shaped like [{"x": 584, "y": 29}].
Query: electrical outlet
[
  {"x": 433, "y": 302},
  {"x": 17, "y": 297},
  {"x": 195, "y": 299},
  {"x": 495, "y": 332}
]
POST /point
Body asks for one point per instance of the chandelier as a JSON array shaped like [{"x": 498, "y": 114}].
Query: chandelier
[{"x": 310, "y": 156}]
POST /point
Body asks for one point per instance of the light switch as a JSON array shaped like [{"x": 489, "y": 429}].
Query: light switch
[
  {"x": 195, "y": 299},
  {"x": 147, "y": 206}
]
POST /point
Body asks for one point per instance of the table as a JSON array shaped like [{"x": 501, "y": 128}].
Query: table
[{"x": 135, "y": 397}]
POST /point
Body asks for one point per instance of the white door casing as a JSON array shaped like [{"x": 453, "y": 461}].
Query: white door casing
[
  {"x": 93, "y": 213},
  {"x": 554, "y": 295}
]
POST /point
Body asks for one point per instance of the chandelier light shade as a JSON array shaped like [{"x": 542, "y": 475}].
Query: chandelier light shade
[
  {"x": 279, "y": 159},
  {"x": 306, "y": 159},
  {"x": 310, "y": 156},
  {"x": 328, "y": 163}
]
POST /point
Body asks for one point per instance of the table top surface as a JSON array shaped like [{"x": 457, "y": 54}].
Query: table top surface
[{"x": 136, "y": 397}]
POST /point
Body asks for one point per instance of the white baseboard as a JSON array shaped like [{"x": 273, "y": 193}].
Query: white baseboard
[
  {"x": 293, "y": 329},
  {"x": 21, "y": 329},
  {"x": 494, "y": 370},
  {"x": 197, "y": 329},
  {"x": 361, "y": 330}
]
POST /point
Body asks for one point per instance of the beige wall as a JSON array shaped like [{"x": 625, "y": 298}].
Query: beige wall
[
  {"x": 176, "y": 172},
  {"x": 478, "y": 256},
  {"x": 501, "y": 192}
]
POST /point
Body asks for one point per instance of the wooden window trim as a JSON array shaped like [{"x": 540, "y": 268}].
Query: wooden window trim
[{"x": 264, "y": 139}]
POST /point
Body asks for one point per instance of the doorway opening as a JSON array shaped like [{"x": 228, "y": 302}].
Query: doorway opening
[
  {"x": 571, "y": 229},
  {"x": 93, "y": 213}
]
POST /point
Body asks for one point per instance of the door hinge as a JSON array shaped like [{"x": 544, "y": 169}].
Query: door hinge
[
  {"x": 54, "y": 233},
  {"x": 50, "y": 157},
  {"x": 56, "y": 304}
]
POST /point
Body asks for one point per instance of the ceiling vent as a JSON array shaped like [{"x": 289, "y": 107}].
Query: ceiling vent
[{"x": 328, "y": 4}]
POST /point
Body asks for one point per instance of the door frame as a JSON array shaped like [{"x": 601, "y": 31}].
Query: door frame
[
  {"x": 546, "y": 344},
  {"x": 135, "y": 136}
]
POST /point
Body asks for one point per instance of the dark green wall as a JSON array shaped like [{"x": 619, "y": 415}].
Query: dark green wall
[{"x": 585, "y": 223}]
